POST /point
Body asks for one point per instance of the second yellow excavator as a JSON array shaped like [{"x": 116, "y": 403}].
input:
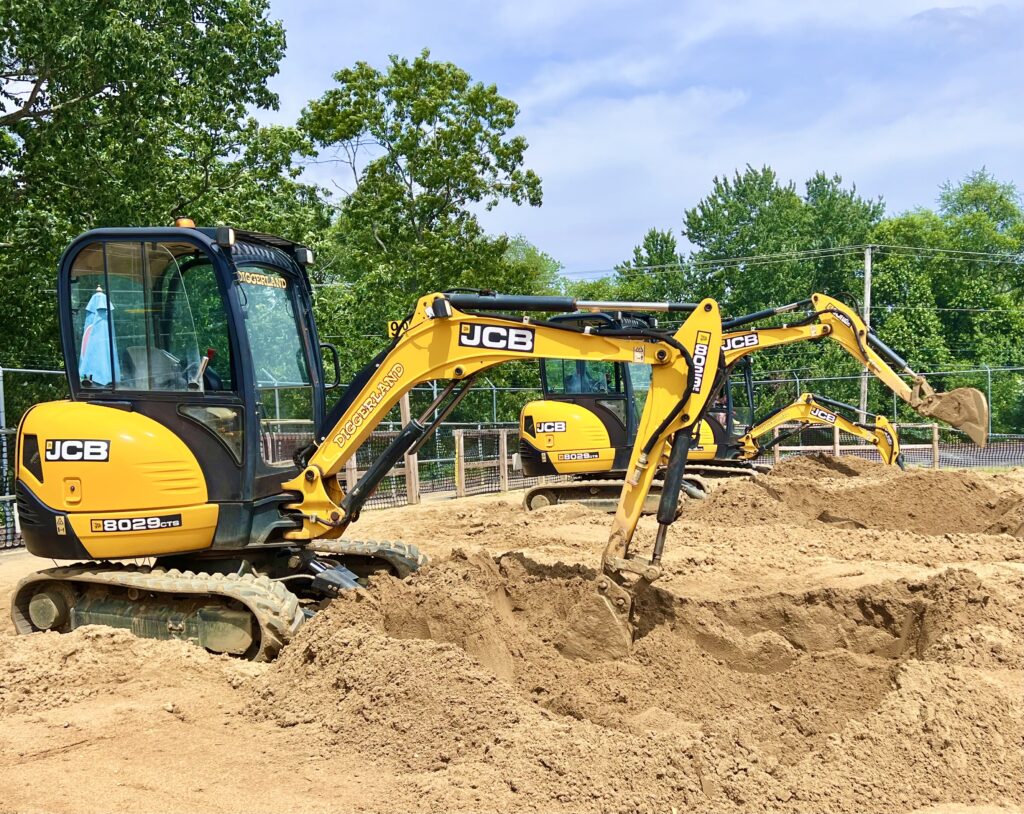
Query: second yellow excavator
[{"x": 584, "y": 425}]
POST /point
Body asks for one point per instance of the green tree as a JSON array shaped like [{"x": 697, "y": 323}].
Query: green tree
[
  {"x": 655, "y": 272},
  {"x": 536, "y": 271},
  {"x": 750, "y": 215},
  {"x": 753, "y": 215},
  {"x": 949, "y": 288},
  {"x": 129, "y": 114},
  {"x": 423, "y": 146}
]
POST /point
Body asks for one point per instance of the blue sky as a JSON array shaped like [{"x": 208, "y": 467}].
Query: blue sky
[{"x": 632, "y": 108}]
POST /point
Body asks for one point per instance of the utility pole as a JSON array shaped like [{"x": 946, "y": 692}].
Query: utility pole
[{"x": 867, "y": 322}]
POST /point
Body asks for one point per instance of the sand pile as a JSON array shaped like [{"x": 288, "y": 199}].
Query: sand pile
[
  {"x": 854, "y": 494},
  {"x": 822, "y": 465},
  {"x": 786, "y": 662},
  {"x": 48, "y": 670},
  {"x": 454, "y": 673}
]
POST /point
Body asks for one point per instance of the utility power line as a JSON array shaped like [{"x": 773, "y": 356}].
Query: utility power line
[{"x": 921, "y": 252}]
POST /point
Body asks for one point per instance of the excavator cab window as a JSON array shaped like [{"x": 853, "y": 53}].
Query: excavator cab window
[
  {"x": 144, "y": 314},
  {"x": 640, "y": 382},
  {"x": 741, "y": 394},
  {"x": 565, "y": 377}
]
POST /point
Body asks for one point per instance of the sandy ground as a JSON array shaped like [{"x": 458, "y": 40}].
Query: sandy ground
[{"x": 833, "y": 637}]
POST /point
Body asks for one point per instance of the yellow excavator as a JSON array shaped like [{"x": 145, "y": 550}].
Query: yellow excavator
[
  {"x": 585, "y": 423},
  {"x": 198, "y": 442}
]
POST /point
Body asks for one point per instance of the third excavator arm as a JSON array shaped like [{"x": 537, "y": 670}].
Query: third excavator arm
[
  {"x": 964, "y": 408},
  {"x": 811, "y": 410}
]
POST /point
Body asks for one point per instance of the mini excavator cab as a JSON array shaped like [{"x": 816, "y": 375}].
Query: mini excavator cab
[
  {"x": 586, "y": 421},
  {"x": 590, "y": 410},
  {"x": 204, "y": 341}
]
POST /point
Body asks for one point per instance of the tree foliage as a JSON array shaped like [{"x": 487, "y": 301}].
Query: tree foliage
[
  {"x": 423, "y": 147},
  {"x": 939, "y": 296},
  {"x": 652, "y": 275},
  {"x": 130, "y": 113}
]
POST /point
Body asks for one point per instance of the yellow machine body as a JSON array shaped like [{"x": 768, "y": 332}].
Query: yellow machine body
[
  {"x": 568, "y": 436},
  {"x": 565, "y": 438},
  {"x": 106, "y": 483}
]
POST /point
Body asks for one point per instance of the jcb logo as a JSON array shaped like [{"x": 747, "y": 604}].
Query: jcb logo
[
  {"x": 75, "y": 450},
  {"x": 497, "y": 337},
  {"x": 739, "y": 342},
  {"x": 700, "y": 359},
  {"x": 824, "y": 415},
  {"x": 550, "y": 426}
]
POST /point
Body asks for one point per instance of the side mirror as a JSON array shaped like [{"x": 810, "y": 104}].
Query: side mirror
[{"x": 327, "y": 346}]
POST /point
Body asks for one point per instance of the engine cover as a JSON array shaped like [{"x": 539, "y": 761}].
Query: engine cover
[{"x": 106, "y": 483}]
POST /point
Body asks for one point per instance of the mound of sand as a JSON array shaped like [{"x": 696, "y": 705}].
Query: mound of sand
[
  {"x": 823, "y": 640},
  {"x": 805, "y": 491},
  {"x": 48, "y": 670},
  {"x": 821, "y": 465},
  {"x": 454, "y": 673}
]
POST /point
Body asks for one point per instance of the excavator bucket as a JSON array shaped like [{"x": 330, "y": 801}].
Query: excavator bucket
[
  {"x": 599, "y": 627},
  {"x": 964, "y": 408}
]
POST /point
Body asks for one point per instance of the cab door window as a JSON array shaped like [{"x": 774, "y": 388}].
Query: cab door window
[
  {"x": 576, "y": 378},
  {"x": 281, "y": 368}
]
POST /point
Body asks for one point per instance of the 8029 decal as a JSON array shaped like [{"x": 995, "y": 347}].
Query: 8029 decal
[{"x": 115, "y": 524}]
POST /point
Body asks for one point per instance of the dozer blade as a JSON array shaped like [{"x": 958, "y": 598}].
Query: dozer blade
[
  {"x": 599, "y": 627},
  {"x": 964, "y": 408}
]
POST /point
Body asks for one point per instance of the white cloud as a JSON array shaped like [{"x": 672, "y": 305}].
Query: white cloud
[
  {"x": 555, "y": 82},
  {"x": 614, "y": 167},
  {"x": 548, "y": 17},
  {"x": 632, "y": 108},
  {"x": 702, "y": 21}
]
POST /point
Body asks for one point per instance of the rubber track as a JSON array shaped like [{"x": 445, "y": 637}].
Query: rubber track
[
  {"x": 405, "y": 558},
  {"x": 275, "y": 608},
  {"x": 612, "y": 483},
  {"x": 713, "y": 470}
]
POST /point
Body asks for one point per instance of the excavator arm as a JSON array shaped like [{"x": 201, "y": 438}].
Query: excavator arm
[
  {"x": 964, "y": 408},
  {"x": 447, "y": 338},
  {"x": 811, "y": 410}
]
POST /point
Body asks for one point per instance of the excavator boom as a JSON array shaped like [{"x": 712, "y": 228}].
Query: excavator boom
[
  {"x": 443, "y": 342},
  {"x": 964, "y": 408},
  {"x": 810, "y": 410}
]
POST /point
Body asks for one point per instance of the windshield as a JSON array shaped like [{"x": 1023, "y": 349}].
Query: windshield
[{"x": 144, "y": 314}]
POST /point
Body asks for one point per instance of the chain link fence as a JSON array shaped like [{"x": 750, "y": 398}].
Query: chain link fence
[
  {"x": 925, "y": 445},
  {"x": 464, "y": 458}
]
